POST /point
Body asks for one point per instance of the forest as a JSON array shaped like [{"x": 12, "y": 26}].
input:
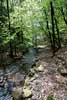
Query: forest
[{"x": 33, "y": 50}]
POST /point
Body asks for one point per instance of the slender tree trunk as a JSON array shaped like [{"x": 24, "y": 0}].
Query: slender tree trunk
[
  {"x": 59, "y": 42},
  {"x": 1, "y": 47},
  {"x": 47, "y": 26},
  {"x": 22, "y": 35},
  {"x": 15, "y": 49},
  {"x": 63, "y": 16},
  {"x": 11, "y": 49},
  {"x": 1, "y": 7},
  {"x": 53, "y": 31}
]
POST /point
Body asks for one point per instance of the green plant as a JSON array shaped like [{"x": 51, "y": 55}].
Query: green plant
[{"x": 50, "y": 98}]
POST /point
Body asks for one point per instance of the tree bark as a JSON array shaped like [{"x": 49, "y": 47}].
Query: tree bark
[
  {"x": 59, "y": 42},
  {"x": 63, "y": 16},
  {"x": 47, "y": 26},
  {"x": 10, "y": 44},
  {"x": 53, "y": 31}
]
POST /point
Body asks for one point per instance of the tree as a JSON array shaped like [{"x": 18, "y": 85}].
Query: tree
[
  {"x": 53, "y": 31},
  {"x": 9, "y": 27}
]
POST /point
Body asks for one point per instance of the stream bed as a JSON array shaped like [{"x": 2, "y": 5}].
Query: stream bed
[{"x": 12, "y": 74}]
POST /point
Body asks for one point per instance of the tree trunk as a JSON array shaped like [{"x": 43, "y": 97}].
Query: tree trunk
[
  {"x": 63, "y": 16},
  {"x": 59, "y": 42},
  {"x": 10, "y": 44},
  {"x": 53, "y": 31},
  {"x": 47, "y": 26}
]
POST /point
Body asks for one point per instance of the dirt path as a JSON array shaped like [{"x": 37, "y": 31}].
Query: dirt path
[{"x": 49, "y": 81}]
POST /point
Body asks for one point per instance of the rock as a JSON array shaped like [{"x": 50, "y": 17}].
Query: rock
[
  {"x": 22, "y": 82},
  {"x": 40, "y": 68},
  {"x": 33, "y": 65},
  {"x": 62, "y": 71},
  {"x": 1, "y": 79},
  {"x": 17, "y": 92},
  {"x": 33, "y": 78},
  {"x": 32, "y": 73},
  {"x": 15, "y": 95},
  {"x": 27, "y": 93},
  {"x": 1, "y": 82}
]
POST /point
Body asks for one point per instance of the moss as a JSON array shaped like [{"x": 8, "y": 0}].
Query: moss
[{"x": 50, "y": 98}]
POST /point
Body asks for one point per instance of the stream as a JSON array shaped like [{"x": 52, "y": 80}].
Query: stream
[{"x": 12, "y": 74}]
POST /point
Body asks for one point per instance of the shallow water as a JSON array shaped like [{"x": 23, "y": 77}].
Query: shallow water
[{"x": 13, "y": 69}]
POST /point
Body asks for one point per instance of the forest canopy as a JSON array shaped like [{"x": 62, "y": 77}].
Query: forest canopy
[{"x": 24, "y": 22}]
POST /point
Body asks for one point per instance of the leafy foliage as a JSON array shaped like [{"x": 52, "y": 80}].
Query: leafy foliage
[{"x": 28, "y": 21}]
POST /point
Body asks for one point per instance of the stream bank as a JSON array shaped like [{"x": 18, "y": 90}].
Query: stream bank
[{"x": 12, "y": 75}]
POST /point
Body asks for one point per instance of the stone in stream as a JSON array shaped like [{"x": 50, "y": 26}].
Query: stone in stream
[
  {"x": 17, "y": 78},
  {"x": 22, "y": 82},
  {"x": 21, "y": 92},
  {"x": 20, "y": 79},
  {"x": 17, "y": 93},
  {"x": 1, "y": 81},
  {"x": 27, "y": 93}
]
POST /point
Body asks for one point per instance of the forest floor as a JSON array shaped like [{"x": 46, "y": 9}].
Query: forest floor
[
  {"x": 48, "y": 77},
  {"x": 48, "y": 80}
]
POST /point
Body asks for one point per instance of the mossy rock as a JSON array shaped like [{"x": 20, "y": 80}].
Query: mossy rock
[
  {"x": 22, "y": 82},
  {"x": 27, "y": 93},
  {"x": 15, "y": 95}
]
